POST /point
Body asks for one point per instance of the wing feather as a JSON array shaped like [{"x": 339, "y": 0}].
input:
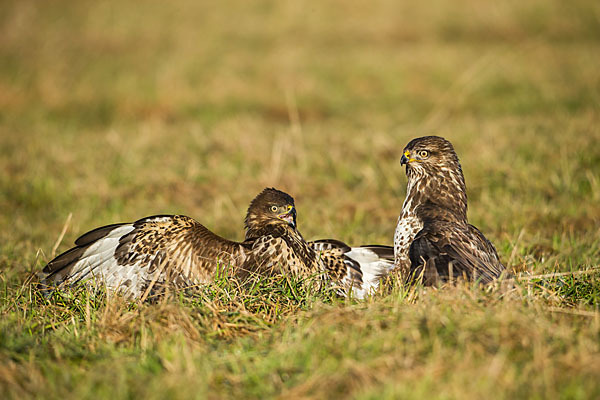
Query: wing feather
[
  {"x": 443, "y": 249},
  {"x": 360, "y": 268},
  {"x": 95, "y": 234},
  {"x": 127, "y": 257}
]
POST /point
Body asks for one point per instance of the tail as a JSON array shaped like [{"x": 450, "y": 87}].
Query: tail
[{"x": 374, "y": 262}]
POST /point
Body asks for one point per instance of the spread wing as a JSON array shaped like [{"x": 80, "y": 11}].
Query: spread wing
[
  {"x": 360, "y": 268},
  {"x": 441, "y": 250},
  {"x": 172, "y": 249}
]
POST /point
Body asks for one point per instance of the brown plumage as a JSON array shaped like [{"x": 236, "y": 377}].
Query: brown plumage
[
  {"x": 178, "y": 251},
  {"x": 433, "y": 237}
]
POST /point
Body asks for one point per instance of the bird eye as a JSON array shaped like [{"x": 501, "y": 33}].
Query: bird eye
[
  {"x": 274, "y": 208},
  {"x": 423, "y": 153}
]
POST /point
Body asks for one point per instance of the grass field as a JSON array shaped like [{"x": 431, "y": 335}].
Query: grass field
[{"x": 111, "y": 111}]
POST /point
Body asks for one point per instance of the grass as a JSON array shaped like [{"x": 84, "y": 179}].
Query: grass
[{"x": 111, "y": 111}]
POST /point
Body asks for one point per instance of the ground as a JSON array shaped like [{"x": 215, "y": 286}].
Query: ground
[{"x": 111, "y": 111}]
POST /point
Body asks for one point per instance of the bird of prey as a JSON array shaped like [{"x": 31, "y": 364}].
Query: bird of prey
[
  {"x": 433, "y": 238},
  {"x": 176, "y": 250}
]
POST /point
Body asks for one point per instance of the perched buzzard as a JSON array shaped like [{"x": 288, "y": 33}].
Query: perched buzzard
[
  {"x": 177, "y": 250},
  {"x": 433, "y": 237}
]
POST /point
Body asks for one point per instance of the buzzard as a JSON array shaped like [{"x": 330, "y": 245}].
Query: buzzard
[
  {"x": 433, "y": 237},
  {"x": 177, "y": 250}
]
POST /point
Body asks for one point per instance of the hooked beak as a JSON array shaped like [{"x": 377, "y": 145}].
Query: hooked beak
[
  {"x": 405, "y": 158},
  {"x": 289, "y": 217}
]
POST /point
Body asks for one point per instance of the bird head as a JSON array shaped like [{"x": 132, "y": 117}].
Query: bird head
[
  {"x": 270, "y": 208},
  {"x": 434, "y": 173},
  {"x": 429, "y": 153}
]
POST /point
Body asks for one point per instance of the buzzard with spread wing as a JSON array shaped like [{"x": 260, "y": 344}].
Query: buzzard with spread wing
[
  {"x": 177, "y": 250},
  {"x": 433, "y": 237}
]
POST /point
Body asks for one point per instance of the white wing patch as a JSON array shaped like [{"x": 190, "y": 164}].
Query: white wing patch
[
  {"x": 98, "y": 264},
  {"x": 373, "y": 268},
  {"x": 99, "y": 255}
]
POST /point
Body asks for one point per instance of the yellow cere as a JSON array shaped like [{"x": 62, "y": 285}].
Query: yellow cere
[{"x": 410, "y": 159}]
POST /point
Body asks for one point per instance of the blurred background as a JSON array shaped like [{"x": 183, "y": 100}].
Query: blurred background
[{"x": 115, "y": 110}]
